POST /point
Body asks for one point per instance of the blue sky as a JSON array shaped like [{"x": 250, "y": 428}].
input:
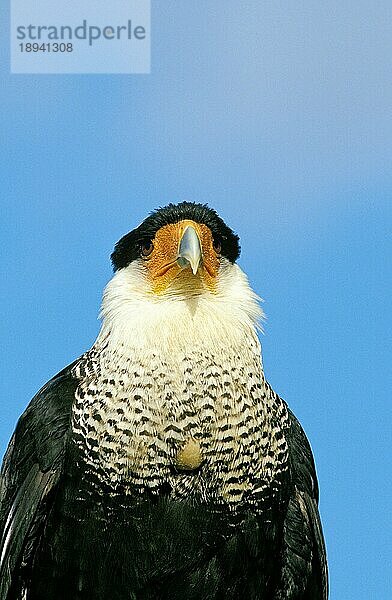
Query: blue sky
[{"x": 279, "y": 116}]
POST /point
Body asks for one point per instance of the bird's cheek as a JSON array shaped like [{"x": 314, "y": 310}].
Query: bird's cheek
[
  {"x": 163, "y": 278},
  {"x": 211, "y": 265}
]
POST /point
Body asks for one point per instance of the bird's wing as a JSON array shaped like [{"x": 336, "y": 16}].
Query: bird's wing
[
  {"x": 304, "y": 573},
  {"x": 31, "y": 469}
]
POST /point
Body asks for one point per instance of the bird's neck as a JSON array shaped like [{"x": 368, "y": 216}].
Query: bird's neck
[{"x": 135, "y": 319}]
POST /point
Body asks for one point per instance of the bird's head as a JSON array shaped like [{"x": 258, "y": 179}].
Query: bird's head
[
  {"x": 176, "y": 276},
  {"x": 179, "y": 250}
]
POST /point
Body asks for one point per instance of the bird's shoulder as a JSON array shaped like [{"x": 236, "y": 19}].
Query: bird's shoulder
[{"x": 40, "y": 429}]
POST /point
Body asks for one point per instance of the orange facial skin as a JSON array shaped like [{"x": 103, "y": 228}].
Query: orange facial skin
[{"x": 163, "y": 270}]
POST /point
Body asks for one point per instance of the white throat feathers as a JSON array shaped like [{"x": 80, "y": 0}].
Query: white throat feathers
[{"x": 135, "y": 317}]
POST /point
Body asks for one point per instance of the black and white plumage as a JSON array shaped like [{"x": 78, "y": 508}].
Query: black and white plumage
[{"x": 160, "y": 464}]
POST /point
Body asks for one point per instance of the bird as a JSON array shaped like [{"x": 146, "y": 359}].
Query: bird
[{"x": 161, "y": 465}]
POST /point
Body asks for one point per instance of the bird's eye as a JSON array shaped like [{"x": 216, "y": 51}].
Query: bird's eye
[
  {"x": 147, "y": 247},
  {"x": 217, "y": 246}
]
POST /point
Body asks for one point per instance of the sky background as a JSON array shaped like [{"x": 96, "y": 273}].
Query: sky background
[{"x": 279, "y": 115}]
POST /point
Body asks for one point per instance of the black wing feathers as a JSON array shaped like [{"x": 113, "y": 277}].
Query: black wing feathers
[
  {"x": 304, "y": 571},
  {"x": 31, "y": 469}
]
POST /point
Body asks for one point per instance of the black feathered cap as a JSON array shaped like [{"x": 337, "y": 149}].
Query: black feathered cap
[{"x": 128, "y": 248}]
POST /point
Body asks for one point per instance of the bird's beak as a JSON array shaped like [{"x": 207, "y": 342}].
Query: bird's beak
[{"x": 189, "y": 250}]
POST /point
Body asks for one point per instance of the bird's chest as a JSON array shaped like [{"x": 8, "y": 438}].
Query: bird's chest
[{"x": 197, "y": 425}]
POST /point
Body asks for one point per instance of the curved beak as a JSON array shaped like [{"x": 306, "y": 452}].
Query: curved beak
[{"x": 189, "y": 251}]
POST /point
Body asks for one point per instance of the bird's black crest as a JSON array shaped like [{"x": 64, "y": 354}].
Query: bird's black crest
[{"x": 128, "y": 248}]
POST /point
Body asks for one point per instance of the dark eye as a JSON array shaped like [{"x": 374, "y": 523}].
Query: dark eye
[
  {"x": 217, "y": 246},
  {"x": 146, "y": 248}
]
